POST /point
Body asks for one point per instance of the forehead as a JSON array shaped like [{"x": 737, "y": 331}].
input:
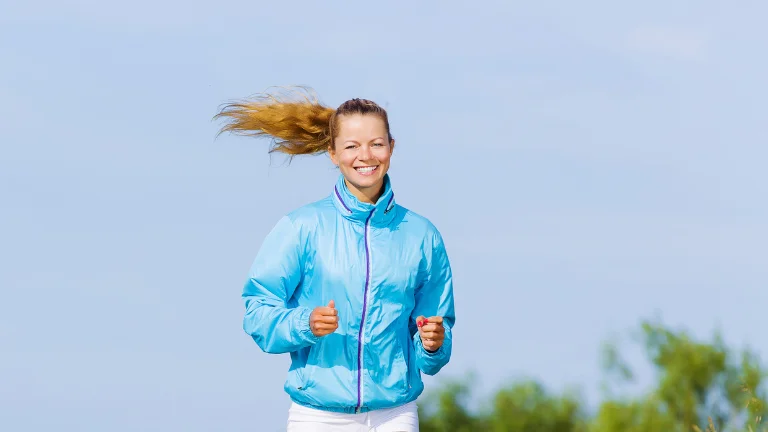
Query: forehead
[{"x": 361, "y": 126}]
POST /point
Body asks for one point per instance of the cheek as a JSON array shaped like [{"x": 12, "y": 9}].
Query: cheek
[
  {"x": 383, "y": 155},
  {"x": 346, "y": 158}
]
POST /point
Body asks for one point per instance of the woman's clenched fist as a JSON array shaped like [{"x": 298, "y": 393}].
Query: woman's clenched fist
[
  {"x": 431, "y": 331},
  {"x": 324, "y": 320}
]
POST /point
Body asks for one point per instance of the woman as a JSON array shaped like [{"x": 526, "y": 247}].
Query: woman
[{"x": 344, "y": 284}]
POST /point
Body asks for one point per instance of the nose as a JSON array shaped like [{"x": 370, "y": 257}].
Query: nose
[{"x": 365, "y": 153}]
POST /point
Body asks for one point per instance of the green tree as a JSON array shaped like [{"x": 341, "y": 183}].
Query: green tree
[
  {"x": 523, "y": 407},
  {"x": 446, "y": 410},
  {"x": 700, "y": 386},
  {"x": 528, "y": 407}
]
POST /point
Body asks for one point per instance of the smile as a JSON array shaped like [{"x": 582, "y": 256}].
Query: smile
[{"x": 366, "y": 170}]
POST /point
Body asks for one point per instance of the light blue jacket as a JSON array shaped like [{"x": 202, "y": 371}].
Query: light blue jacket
[{"x": 383, "y": 265}]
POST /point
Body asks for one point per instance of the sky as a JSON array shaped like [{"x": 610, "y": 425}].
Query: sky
[{"x": 589, "y": 165}]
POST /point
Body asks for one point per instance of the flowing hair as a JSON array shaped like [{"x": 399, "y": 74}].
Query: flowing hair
[{"x": 294, "y": 118}]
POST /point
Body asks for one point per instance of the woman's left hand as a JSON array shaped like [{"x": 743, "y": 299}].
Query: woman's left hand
[{"x": 432, "y": 332}]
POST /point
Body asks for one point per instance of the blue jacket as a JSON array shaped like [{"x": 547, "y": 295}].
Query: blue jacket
[{"x": 383, "y": 265}]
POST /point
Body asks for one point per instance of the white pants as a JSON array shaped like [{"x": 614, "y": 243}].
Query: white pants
[{"x": 404, "y": 418}]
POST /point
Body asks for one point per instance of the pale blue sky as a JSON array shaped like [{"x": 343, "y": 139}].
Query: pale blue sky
[{"x": 589, "y": 164}]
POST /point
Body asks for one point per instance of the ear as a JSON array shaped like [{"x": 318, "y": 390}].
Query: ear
[
  {"x": 391, "y": 146},
  {"x": 332, "y": 154}
]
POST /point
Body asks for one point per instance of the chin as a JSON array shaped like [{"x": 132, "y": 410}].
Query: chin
[{"x": 367, "y": 184}]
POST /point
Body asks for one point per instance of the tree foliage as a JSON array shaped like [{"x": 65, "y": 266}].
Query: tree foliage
[{"x": 700, "y": 386}]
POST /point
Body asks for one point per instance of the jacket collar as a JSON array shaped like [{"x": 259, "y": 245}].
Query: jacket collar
[{"x": 380, "y": 214}]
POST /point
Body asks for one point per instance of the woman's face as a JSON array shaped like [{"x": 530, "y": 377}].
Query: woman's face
[{"x": 362, "y": 152}]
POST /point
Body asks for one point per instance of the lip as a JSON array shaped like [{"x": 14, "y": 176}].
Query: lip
[{"x": 371, "y": 172}]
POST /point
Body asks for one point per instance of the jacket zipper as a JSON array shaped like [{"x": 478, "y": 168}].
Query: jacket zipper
[{"x": 361, "y": 333}]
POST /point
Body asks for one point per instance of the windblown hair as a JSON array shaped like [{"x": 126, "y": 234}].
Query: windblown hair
[{"x": 296, "y": 120}]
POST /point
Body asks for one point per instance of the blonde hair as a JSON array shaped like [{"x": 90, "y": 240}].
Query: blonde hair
[{"x": 295, "y": 118}]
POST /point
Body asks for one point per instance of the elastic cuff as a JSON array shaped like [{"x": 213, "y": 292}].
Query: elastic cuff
[
  {"x": 420, "y": 344},
  {"x": 303, "y": 325},
  {"x": 433, "y": 353}
]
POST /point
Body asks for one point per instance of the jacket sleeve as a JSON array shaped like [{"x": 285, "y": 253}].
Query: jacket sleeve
[
  {"x": 274, "y": 276},
  {"x": 435, "y": 298}
]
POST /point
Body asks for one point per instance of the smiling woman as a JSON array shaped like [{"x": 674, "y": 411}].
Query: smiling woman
[
  {"x": 361, "y": 148},
  {"x": 355, "y": 288}
]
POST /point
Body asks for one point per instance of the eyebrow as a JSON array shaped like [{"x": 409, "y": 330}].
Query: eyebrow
[{"x": 356, "y": 142}]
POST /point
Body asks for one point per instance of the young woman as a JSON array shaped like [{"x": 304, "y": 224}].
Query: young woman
[{"x": 356, "y": 288}]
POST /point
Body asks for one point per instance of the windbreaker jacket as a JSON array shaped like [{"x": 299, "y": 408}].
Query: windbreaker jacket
[{"x": 383, "y": 266}]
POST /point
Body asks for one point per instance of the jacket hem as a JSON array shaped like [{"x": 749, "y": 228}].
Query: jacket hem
[{"x": 352, "y": 409}]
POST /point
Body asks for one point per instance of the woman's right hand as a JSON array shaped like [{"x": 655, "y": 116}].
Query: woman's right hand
[{"x": 324, "y": 320}]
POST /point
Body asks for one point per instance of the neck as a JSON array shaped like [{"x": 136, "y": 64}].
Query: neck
[{"x": 368, "y": 195}]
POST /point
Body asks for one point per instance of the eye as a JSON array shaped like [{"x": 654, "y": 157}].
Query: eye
[
  {"x": 378, "y": 144},
  {"x": 350, "y": 147}
]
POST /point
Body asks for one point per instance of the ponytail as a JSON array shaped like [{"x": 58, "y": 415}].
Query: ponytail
[{"x": 298, "y": 123}]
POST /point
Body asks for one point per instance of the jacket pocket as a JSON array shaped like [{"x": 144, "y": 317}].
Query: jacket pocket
[
  {"x": 403, "y": 356},
  {"x": 305, "y": 371}
]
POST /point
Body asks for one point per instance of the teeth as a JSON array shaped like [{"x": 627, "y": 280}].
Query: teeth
[{"x": 365, "y": 169}]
